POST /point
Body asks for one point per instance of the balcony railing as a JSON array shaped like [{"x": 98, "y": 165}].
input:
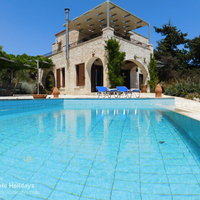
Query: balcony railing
[
  {"x": 53, "y": 52},
  {"x": 120, "y": 37}
]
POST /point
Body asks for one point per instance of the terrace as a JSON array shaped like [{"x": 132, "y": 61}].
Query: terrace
[{"x": 89, "y": 27}]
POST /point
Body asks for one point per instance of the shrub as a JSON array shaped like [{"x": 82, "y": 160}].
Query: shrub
[
  {"x": 183, "y": 88},
  {"x": 153, "y": 73},
  {"x": 116, "y": 59}
]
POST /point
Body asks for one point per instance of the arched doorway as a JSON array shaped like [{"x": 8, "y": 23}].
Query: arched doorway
[
  {"x": 134, "y": 74},
  {"x": 127, "y": 73},
  {"x": 96, "y": 74}
]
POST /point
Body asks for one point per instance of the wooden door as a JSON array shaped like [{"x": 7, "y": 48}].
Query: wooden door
[{"x": 58, "y": 78}]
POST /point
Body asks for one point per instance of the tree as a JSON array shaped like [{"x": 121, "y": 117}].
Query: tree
[
  {"x": 153, "y": 73},
  {"x": 14, "y": 69},
  {"x": 171, "y": 52},
  {"x": 194, "y": 51},
  {"x": 116, "y": 59}
]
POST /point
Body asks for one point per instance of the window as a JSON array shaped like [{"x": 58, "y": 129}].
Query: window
[
  {"x": 59, "y": 46},
  {"x": 58, "y": 78},
  {"x": 63, "y": 77},
  {"x": 80, "y": 74}
]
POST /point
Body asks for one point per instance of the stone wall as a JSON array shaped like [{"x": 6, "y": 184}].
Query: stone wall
[{"x": 87, "y": 52}]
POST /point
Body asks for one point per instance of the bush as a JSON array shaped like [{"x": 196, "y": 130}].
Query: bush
[
  {"x": 183, "y": 88},
  {"x": 153, "y": 73},
  {"x": 116, "y": 59}
]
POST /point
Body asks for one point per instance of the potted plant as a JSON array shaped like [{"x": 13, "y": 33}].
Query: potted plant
[{"x": 143, "y": 88}]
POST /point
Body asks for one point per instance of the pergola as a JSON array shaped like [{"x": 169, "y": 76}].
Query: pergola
[{"x": 107, "y": 15}]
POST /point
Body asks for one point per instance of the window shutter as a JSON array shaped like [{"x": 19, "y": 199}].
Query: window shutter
[
  {"x": 58, "y": 77},
  {"x": 63, "y": 77},
  {"x": 80, "y": 74}
]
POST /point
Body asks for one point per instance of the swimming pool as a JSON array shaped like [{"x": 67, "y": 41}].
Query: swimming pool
[{"x": 97, "y": 150}]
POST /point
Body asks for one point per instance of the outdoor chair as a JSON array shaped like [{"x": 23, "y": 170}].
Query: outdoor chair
[
  {"x": 123, "y": 90},
  {"x": 106, "y": 92},
  {"x": 101, "y": 91},
  {"x": 136, "y": 92}
]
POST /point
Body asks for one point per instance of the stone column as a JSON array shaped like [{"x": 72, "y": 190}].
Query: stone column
[{"x": 108, "y": 33}]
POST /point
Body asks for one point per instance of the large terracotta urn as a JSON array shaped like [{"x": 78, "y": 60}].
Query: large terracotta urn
[
  {"x": 144, "y": 88},
  {"x": 158, "y": 91},
  {"x": 56, "y": 92}
]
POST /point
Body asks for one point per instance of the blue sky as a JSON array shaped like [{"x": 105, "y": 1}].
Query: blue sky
[{"x": 28, "y": 26}]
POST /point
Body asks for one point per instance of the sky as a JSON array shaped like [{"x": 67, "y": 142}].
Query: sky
[{"x": 28, "y": 26}]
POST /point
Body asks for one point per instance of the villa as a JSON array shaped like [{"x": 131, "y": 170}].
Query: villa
[{"x": 79, "y": 52}]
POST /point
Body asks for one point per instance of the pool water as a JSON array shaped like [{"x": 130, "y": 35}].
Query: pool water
[{"x": 60, "y": 153}]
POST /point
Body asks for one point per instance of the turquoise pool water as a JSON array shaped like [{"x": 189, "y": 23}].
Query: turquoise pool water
[{"x": 97, "y": 150}]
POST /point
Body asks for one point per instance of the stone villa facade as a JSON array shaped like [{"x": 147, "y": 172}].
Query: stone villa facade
[{"x": 79, "y": 52}]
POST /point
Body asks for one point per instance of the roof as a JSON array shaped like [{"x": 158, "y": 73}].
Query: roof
[{"x": 93, "y": 21}]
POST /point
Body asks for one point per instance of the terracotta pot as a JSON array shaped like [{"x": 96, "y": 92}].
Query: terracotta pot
[
  {"x": 158, "y": 91},
  {"x": 144, "y": 89},
  {"x": 39, "y": 96},
  {"x": 56, "y": 92}
]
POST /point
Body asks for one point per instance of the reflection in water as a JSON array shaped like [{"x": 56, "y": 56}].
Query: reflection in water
[
  {"x": 94, "y": 146},
  {"x": 94, "y": 124}
]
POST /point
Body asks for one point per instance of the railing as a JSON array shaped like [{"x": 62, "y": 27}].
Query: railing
[
  {"x": 85, "y": 40},
  {"x": 118, "y": 36},
  {"x": 53, "y": 53},
  {"x": 133, "y": 41}
]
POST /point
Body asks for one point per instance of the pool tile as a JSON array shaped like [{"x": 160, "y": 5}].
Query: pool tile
[
  {"x": 124, "y": 176},
  {"x": 102, "y": 182},
  {"x": 58, "y": 195},
  {"x": 161, "y": 189},
  {"x": 195, "y": 169},
  {"x": 147, "y": 161},
  {"x": 172, "y": 155},
  {"x": 156, "y": 197},
  {"x": 157, "y": 169},
  {"x": 39, "y": 190},
  {"x": 102, "y": 173},
  {"x": 126, "y": 186},
  {"x": 73, "y": 177},
  {"x": 96, "y": 193},
  {"x": 128, "y": 168},
  {"x": 43, "y": 179},
  {"x": 170, "y": 169},
  {"x": 185, "y": 189},
  {"x": 25, "y": 197},
  {"x": 50, "y": 171},
  {"x": 7, "y": 193},
  {"x": 186, "y": 197},
  {"x": 20, "y": 174},
  {"x": 68, "y": 187},
  {"x": 174, "y": 162},
  {"x": 154, "y": 178},
  {"x": 182, "y": 178},
  {"x": 84, "y": 198},
  {"x": 119, "y": 195},
  {"x": 78, "y": 168}
]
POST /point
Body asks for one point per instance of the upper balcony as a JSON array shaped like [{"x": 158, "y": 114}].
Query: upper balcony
[{"x": 90, "y": 25}]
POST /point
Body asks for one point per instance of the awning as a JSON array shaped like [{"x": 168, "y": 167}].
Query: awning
[{"x": 93, "y": 21}]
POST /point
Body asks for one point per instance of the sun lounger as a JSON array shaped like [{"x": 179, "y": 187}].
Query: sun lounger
[
  {"x": 123, "y": 90},
  {"x": 106, "y": 92},
  {"x": 101, "y": 91}
]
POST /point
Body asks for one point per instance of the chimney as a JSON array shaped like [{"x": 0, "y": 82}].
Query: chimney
[{"x": 67, "y": 32}]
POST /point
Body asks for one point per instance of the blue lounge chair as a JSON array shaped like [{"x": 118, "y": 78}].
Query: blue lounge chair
[
  {"x": 136, "y": 92},
  {"x": 128, "y": 93},
  {"x": 123, "y": 90},
  {"x": 101, "y": 91},
  {"x": 105, "y": 92}
]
